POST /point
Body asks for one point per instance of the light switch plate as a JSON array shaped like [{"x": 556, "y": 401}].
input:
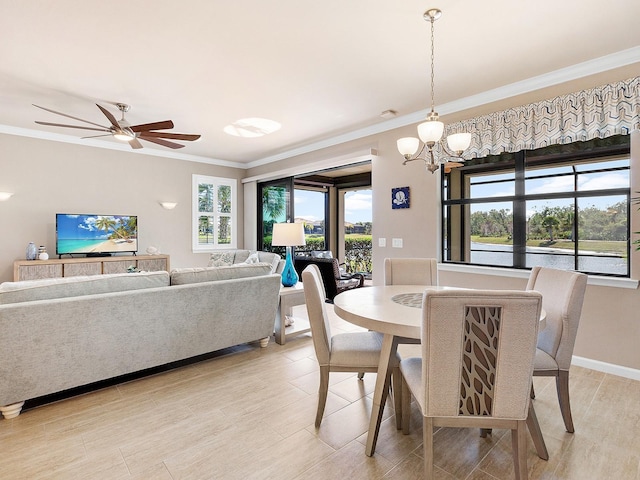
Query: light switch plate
[
  {"x": 396, "y": 243},
  {"x": 382, "y": 242}
]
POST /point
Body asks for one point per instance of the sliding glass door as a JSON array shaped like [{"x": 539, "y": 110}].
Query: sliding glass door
[{"x": 275, "y": 205}]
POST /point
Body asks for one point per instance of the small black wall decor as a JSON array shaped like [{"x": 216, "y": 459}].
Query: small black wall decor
[{"x": 400, "y": 197}]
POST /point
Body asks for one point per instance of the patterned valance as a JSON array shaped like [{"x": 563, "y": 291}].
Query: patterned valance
[{"x": 599, "y": 112}]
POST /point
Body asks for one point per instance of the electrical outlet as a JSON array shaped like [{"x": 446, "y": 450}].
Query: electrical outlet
[
  {"x": 396, "y": 243},
  {"x": 382, "y": 242}
]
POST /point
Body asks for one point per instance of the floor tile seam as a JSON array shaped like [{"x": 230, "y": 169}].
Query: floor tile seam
[
  {"x": 478, "y": 469},
  {"x": 587, "y": 410}
]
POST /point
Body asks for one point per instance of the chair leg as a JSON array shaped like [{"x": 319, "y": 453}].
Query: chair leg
[
  {"x": 427, "y": 446},
  {"x": 396, "y": 380},
  {"x": 562, "y": 386},
  {"x": 519, "y": 446},
  {"x": 533, "y": 392},
  {"x": 536, "y": 433},
  {"x": 322, "y": 393},
  {"x": 485, "y": 431},
  {"x": 406, "y": 407},
  {"x": 360, "y": 375}
]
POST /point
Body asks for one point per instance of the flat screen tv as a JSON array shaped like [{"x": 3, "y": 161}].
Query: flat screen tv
[{"x": 96, "y": 235}]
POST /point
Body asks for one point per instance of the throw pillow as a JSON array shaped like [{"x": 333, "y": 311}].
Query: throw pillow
[
  {"x": 253, "y": 258},
  {"x": 221, "y": 259}
]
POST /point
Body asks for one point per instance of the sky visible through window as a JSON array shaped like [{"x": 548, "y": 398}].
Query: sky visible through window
[
  {"x": 310, "y": 205},
  {"x": 595, "y": 181}
]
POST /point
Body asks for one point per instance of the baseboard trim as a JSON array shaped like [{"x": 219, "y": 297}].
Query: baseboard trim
[{"x": 611, "y": 368}]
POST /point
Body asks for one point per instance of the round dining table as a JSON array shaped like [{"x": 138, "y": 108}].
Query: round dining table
[{"x": 396, "y": 312}]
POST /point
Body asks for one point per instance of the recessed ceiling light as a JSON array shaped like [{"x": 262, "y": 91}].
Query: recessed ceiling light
[{"x": 252, "y": 127}]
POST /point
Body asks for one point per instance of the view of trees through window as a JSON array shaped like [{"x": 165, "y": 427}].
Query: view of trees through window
[
  {"x": 214, "y": 212},
  {"x": 565, "y": 210}
]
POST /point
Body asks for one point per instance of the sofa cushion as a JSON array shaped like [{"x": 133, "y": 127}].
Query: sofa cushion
[
  {"x": 221, "y": 259},
  {"x": 31, "y": 290},
  {"x": 241, "y": 256},
  {"x": 271, "y": 258},
  {"x": 183, "y": 276}
]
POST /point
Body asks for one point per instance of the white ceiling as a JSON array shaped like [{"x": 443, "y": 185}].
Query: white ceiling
[{"x": 320, "y": 68}]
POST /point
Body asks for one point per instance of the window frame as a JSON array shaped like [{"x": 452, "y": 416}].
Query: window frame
[
  {"x": 521, "y": 165},
  {"x": 217, "y": 182}
]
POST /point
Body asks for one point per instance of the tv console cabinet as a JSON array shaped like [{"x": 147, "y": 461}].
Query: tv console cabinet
[{"x": 72, "y": 267}]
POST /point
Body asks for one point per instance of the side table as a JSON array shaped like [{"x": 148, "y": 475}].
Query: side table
[{"x": 290, "y": 297}]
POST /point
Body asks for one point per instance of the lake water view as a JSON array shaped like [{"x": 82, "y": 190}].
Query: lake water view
[{"x": 548, "y": 257}]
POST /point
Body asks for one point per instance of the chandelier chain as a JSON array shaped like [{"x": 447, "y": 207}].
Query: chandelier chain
[{"x": 432, "y": 64}]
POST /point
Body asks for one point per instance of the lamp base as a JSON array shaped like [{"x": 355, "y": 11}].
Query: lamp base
[{"x": 289, "y": 274}]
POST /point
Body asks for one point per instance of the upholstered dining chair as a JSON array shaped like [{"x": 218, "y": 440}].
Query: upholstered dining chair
[
  {"x": 563, "y": 295},
  {"x": 478, "y": 348},
  {"x": 343, "y": 352},
  {"x": 410, "y": 271}
]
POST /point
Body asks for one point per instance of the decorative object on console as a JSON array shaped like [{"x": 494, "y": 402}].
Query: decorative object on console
[
  {"x": 430, "y": 132},
  {"x": 32, "y": 251},
  {"x": 42, "y": 253},
  {"x": 151, "y": 250},
  {"x": 400, "y": 197},
  {"x": 288, "y": 235}
]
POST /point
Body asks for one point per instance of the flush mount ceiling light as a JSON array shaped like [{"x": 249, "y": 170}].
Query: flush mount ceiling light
[
  {"x": 252, "y": 127},
  {"x": 4, "y": 196},
  {"x": 430, "y": 132}
]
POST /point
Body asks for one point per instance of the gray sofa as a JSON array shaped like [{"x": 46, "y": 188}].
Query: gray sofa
[{"x": 63, "y": 333}]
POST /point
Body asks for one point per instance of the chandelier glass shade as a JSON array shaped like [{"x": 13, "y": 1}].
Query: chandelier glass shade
[{"x": 432, "y": 129}]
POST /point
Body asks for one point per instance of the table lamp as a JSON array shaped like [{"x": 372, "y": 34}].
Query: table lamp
[{"x": 288, "y": 235}]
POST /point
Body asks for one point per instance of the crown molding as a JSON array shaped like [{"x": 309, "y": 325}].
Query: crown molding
[{"x": 89, "y": 142}]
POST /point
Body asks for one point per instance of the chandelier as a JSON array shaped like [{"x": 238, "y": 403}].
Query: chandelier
[{"x": 430, "y": 131}]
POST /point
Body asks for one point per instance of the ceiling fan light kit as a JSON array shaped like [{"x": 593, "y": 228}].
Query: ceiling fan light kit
[
  {"x": 121, "y": 129},
  {"x": 432, "y": 129}
]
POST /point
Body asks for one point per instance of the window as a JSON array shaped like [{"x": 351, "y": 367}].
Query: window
[
  {"x": 214, "y": 213},
  {"x": 563, "y": 207}
]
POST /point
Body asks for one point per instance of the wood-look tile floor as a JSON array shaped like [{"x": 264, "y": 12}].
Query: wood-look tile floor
[{"x": 249, "y": 414}]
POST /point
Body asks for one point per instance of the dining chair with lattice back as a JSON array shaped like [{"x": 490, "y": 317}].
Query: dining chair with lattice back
[
  {"x": 410, "y": 271},
  {"x": 563, "y": 295},
  {"x": 343, "y": 352},
  {"x": 478, "y": 348}
]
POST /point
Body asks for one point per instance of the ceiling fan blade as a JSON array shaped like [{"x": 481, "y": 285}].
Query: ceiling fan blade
[
  {"x": 110, "y": 116},
  {"x": 103, "y": 129},
  {"x": 159, "y": 141},
  {"x": 165, "y": 124},
  {"x": 174, "y": 136},
  {"x": 135, "y": 144},
  {"x": 68, "y": 116}
]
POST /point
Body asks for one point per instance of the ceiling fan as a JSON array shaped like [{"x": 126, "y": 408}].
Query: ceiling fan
[{"x": 122, "y": 130}]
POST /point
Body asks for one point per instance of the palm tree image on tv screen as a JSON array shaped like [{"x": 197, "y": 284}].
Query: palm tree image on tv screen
[{"x": 96, "y": 234}]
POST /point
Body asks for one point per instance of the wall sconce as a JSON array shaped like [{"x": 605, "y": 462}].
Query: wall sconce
[
  {"x": 4, "y": 196},
  {"x": 168, "y": 205}
]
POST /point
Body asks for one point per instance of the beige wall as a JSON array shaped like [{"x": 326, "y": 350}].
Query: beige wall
[{"x": 50, "y": 177}]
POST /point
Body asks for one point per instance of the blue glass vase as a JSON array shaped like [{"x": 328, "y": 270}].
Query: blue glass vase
[{"x": 289, "y": 274}]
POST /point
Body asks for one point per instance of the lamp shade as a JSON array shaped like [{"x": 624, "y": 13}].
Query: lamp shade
[
  {"x": 430, "y": 131},
  {"x": 459, "y": 142},
  {"x": 288, "y": 235},
  {"x": 408, "y": 145}
]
